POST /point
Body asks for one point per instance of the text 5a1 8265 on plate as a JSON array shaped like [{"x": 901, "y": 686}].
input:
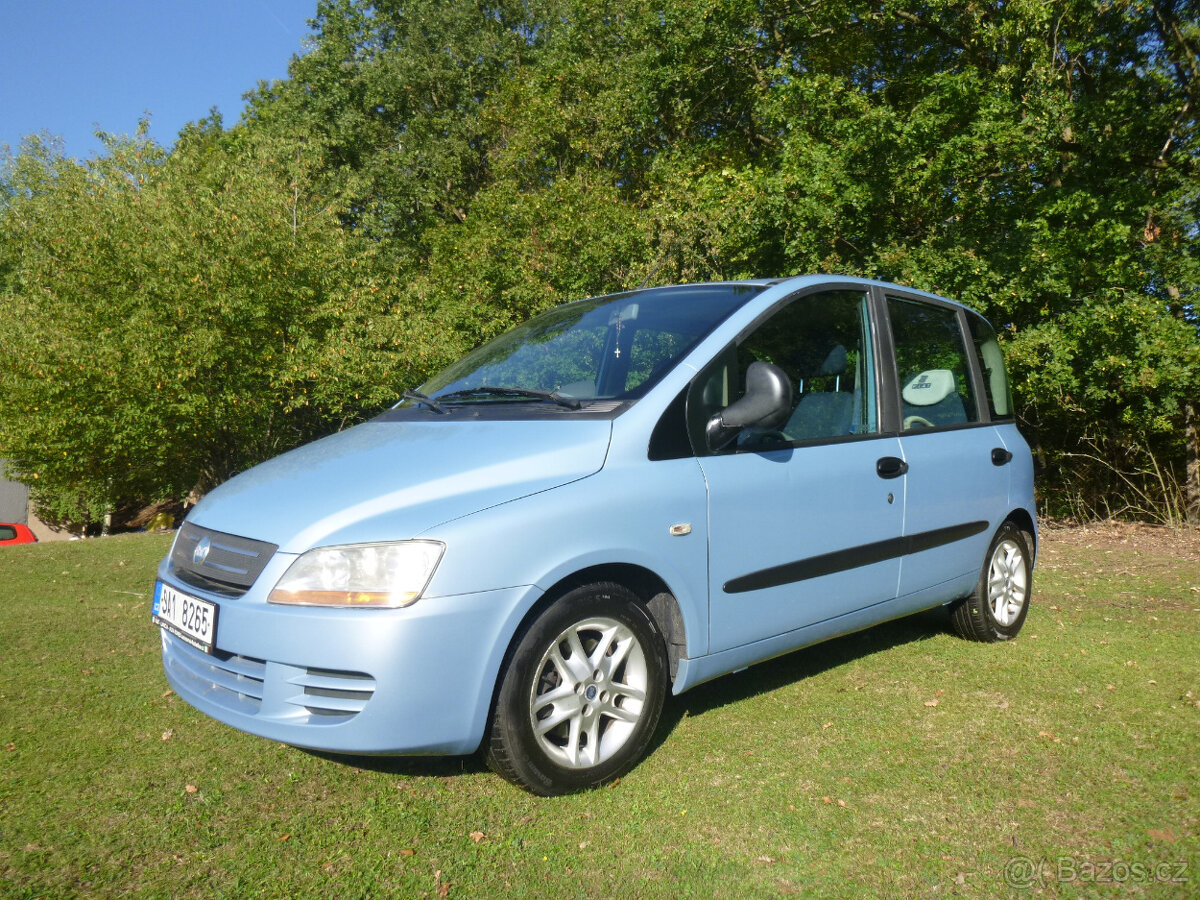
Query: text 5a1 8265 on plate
[{"x": 188, "y": 618}]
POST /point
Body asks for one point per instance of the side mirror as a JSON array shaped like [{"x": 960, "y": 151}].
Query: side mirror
[{"x": 767, "y": 404}]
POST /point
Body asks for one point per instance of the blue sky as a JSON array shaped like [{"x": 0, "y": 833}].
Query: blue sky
[{"x": 70, "y": 66}]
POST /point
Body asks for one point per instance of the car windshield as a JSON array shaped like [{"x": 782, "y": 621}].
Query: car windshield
[{"x": 608, "y": 348}]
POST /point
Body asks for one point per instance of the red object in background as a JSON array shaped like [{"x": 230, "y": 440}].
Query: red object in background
[{"x": 12, "y": 533}]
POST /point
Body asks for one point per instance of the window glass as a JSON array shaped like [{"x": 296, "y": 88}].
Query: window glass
[
  {"x": 935, "y": 382},
  {"x": 7, "y": 532},
  {"x": 650, "y": 352},
  {"x": 613, "y": 347},
  {"x": 991, "y": 363},
  {"x": 821, "y": 342}
]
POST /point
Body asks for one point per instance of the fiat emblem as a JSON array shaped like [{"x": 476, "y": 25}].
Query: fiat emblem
[{"x": 200, "y": 554}]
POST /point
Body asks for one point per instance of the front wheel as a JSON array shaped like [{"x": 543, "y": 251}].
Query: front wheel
[
  {"x": 581, "y": 695},
  {"x": 996, "y": 609}
]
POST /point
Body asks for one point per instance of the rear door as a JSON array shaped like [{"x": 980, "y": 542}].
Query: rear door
[{"x": 956, "y": 486}]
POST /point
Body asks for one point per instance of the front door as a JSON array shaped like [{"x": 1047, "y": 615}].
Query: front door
[{"x": 803, "y": 522}]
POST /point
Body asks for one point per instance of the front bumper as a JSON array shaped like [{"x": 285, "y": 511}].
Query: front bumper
[{"x": 405, "y": 681}]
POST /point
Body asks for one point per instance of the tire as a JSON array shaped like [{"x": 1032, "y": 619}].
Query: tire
[
  {"x": 996, "y": 609},
  {"x": 581, "y": 694}
]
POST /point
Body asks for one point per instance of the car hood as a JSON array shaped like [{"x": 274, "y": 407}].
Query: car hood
[{"x": 395, "y": 480}]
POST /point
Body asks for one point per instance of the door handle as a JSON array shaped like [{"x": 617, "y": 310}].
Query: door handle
[
  {"x": 1000, "y": 456},
  {"x": 890, "y": 467}
]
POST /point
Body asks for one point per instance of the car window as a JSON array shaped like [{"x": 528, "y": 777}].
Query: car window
[
  {"x": 612, "y": 347},
  {"x": 991, "y": 363},
  {"x": 7, "y": 532},
  {"x": 931, "y": 359},
  {"x": 821, "y": 341}
]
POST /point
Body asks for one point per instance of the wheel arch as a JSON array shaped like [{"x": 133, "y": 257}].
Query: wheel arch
[
  {"x": 651, "y": 590},
  {"x": 1021, "y": 518}
]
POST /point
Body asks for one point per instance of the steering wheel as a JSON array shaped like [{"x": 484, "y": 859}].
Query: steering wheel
[{"x": 910, "y": 421}]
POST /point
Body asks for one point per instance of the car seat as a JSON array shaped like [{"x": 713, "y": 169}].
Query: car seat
[
  {"x": 823, "y": 413},
  {"x": 930, "y": 399}
]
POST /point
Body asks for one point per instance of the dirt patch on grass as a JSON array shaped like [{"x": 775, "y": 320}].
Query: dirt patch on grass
[
  {"x": 1155, "y": 540},
  {"x": 1122, "y": 564}
]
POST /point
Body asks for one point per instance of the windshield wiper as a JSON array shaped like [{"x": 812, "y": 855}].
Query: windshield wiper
[
  {"x": 491, "y": 391},
  {"x": 418, "y": 397}
]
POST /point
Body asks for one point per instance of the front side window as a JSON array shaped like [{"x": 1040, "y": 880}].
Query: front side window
[
  {"x": 821, "y": 341},
  {"x": 931, "y": 359}
]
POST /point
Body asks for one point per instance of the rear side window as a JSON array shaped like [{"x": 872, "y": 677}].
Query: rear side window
[
  {"x": 935, "y": 381},
  {"x": 991, "y": 363},
  {"x": 7, "y": 532}
]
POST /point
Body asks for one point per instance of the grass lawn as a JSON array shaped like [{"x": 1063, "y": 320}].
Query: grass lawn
[{"x": 901, "y": 761}]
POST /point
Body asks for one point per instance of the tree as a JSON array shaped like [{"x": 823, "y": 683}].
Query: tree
[
  {"x": 173, "y": 319},
  {"x": 432, "y": 172}
]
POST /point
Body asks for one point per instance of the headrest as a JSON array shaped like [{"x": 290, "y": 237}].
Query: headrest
[
  {"x": 835, "y": 362},
  {"x": 809, "y": 362},
  {"x": 929, "y": 387}
]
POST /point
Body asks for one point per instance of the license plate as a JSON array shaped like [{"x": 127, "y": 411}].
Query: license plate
[{"x": 188, "y": 618}]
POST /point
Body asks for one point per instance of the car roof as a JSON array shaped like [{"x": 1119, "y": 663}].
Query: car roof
[{"x": 798, "y": 282}]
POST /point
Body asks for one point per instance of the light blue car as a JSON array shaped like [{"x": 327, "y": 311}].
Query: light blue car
[{"x": 626, "y": 495}]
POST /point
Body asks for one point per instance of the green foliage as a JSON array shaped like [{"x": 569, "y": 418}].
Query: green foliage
[
  {"x": 172, "y": 319},
  {"x": 432, "y": 173},
  {"x": 1106, "y": 388}
]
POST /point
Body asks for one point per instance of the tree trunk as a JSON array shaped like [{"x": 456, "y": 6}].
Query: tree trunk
[{"x": 1191, "y": 485}]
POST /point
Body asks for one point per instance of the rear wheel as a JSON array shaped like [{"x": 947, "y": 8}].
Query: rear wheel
[
  {"x": 996, "y": 609},
  {"x": 581, "y": 696}
]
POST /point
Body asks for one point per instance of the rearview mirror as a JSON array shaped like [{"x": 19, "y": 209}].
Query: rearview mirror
[{"x": 766, "y": 405}]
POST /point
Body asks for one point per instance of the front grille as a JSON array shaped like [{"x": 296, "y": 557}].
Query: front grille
[{"x": 230, "y": 566}]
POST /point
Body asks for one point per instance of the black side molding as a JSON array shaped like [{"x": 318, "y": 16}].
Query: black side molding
[{"x": 841, "y": 560}]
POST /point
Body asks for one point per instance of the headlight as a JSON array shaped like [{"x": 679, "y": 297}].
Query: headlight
[{"x": 372, "y": 575}]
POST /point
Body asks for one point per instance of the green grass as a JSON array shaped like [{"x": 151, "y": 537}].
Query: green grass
[{"x": 830, "y": 772}]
